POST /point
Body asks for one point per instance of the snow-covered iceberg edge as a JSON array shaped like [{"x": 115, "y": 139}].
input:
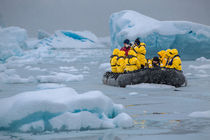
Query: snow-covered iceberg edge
[
  {"x": 60, "y": 109},
  {"x": 191, "y": 39}
]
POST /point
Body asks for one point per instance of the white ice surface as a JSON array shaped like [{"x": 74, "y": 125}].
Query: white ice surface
[
  {"x": 59, "y": 77},
  {"x": 63, "y": 108},
  {"x": 200, "y": 114}
]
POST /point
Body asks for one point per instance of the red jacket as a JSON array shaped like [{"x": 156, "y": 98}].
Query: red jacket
[{"x": 126, "y": 50}]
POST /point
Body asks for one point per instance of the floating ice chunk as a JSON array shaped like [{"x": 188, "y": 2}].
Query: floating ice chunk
[
  {"x": 34, "y": 68},
  {"x": 195, "y": 67},
  {"x": 59, "y": 77},
  {"x": 70, "y": 39},
  {"x": 200, "y": 114},
  {"x": 123, "y": 120},
  {"x": 12, "y": 41},
  {"x": 151, "y": 86},
  {"x": 188, "y": 74},
  {"x": 68, "y": 69},
  {"x": 10, "y": 77},
  {"x": 187, "y": 37},
  {"x": 202, "y": 75},
  {"x": 61, "y": 109},
  {"x": 76, "y": 121},
  {"x": 42, "y": 34},
  {"x": 133, "y": 93},
  {"x": 37, "y": 126},
  {"x": 202, "y": 59},
  {"x": 50, "y": 86},
  {"x": 105, "y": 66}
]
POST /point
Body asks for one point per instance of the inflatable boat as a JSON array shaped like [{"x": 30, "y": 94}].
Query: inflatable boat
[{"x": 156, "y": 75}]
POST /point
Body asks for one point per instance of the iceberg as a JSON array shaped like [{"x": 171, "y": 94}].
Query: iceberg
[
  {"x": 41, "y": 34},
  {"x": 191, "y": 39},
  {"x": 12, "y": 41},
  {"x": 70, "y": 39},
  {"x": 61, "y": 109}
]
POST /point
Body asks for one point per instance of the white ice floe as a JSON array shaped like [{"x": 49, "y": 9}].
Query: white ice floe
[
  {"x": 34, "y": 68},
  {"x": 68, "y": 69},
  {"x": 151, "y": 86},
  {"x": 61, "y": 109},
  {"x": 59, "y": 77},
  {"x": 12, "y": 42},
  {"x": 10, "y": 77},
  {"x": 133, "y": 93},
  {"x": 105, "y": 66},
  {"x": 50, "y": 86},
  {"x": 200, "y": 67},
  {"x": 200, "y": 114},
  {"x": 202, "y": 59}
]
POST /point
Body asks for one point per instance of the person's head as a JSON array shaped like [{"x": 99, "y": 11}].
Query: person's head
[
  {"x": 126, "y": 43},
  {"x": 174, "y": 52},
  {"x": 137, "y": 42},
  {"x": 155, "y": 60}
]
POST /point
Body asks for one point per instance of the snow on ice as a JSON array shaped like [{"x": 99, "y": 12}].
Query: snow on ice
[{"x": 61, "y": 109}]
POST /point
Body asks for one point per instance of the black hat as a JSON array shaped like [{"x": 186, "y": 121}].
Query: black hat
[
  {"x": 155, "y": 58},
  {"x": 137, "y": 41},
  {"x": 127, "y": 41}
]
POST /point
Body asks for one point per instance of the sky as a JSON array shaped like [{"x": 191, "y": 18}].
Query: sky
[{"x": 93, "y": 15}]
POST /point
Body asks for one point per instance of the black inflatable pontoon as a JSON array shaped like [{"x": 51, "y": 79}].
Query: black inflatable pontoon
[{"x": 156, "y": 75}]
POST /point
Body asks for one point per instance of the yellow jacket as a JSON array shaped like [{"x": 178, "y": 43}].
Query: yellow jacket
[
  {"x": 150, "y": 63},
  {"x": 163, "y": 58},
  {"x": 132, "y": 63},
  {"x": 141, "y": 51},
  {"x": 121, "y": 62},
  {"x": 169, "y": 57},
  {"x": 113, "y": 60},
  {"x": 175, "y": 62}
]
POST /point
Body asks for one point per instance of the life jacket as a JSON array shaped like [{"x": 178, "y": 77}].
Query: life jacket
[
  {"x": 111, "y": 59},
  {"x": 129, "y": 57},
  {"x": 119, "y": 58},
  {"x": 171, "y": 62},
  {"x": 126, "y": 50}
]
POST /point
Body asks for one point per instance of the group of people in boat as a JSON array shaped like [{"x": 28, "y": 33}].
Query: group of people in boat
[{"x": 131, "y": 57}]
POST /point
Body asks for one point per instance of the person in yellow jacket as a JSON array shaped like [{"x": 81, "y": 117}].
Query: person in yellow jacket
[
  {"x": 132, "y": 63},
  {"x": 141, "y": 51},
  {"x": 121, "y": 62},
  {"x": 136, "y": 44},
  {"x": 169, "y": 57},
  {"x": 154, "y": 63},
  {"x": 175, "y": 62},
  {"x": 163, "y": 58},
  {"x": 113, "y": 60}
]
